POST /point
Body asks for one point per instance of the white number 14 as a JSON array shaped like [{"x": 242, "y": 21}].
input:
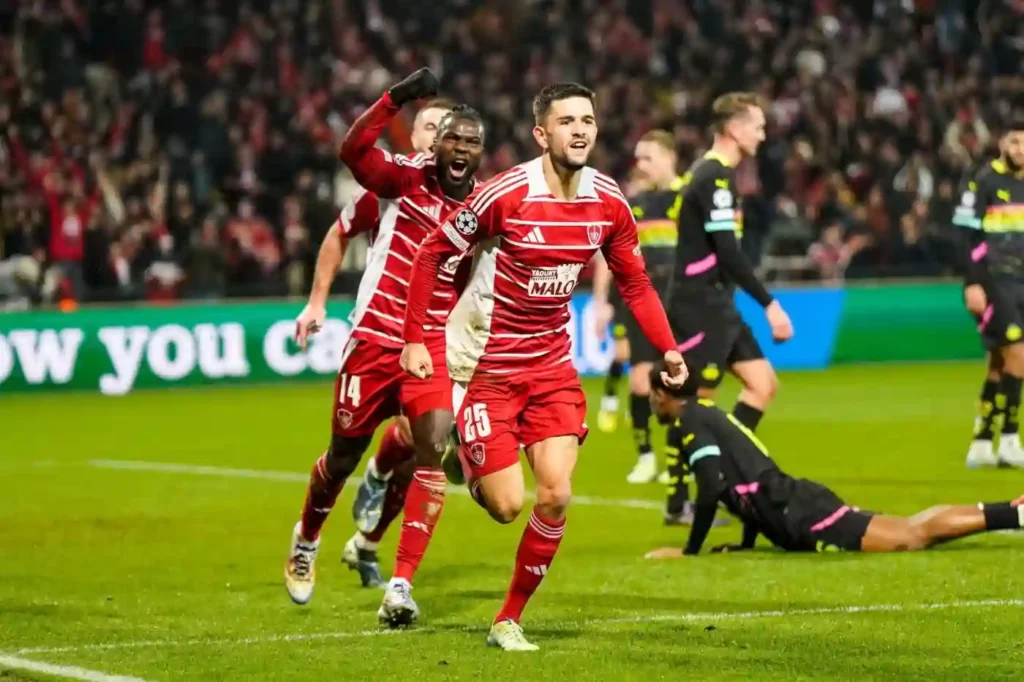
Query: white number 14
[{"x": 348, "y": 387}]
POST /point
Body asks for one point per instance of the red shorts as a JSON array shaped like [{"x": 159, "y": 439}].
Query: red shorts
[
  {"x": 371, "y": 387},
  {"x": 499, "y": 414}
]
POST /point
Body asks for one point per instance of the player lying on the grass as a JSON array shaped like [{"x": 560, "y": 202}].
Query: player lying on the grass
[
  {"x": 382, "y": 491},
  {"x": 371, "y": 386},
  {"x": 732, "y": 467},
  {"x": 535, "y": 227},
  {"x": 992, "y": 210},
  {"x": 656, "y": 210}
]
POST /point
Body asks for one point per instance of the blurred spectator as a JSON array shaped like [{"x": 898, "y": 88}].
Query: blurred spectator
[{"x": 170, "y": 148}]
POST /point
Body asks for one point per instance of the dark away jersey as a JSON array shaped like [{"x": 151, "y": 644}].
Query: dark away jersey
[
  {"x": 993, "y": 202},
  {"x": 732, "y": 466},
  {"x": 656, "y": 212},
  {"x": 709, "y": 205}
]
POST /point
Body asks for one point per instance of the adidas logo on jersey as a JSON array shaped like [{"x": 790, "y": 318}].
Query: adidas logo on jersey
[
  {"x": 554, "y": 282},
  {"x": 534, "y": 236},
  {"x": 538, "y": 570},
  {"x": 433, "y": 211}
]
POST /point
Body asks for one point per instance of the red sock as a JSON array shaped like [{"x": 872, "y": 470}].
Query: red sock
[
  {"x": 537, "y": 550},
  {"x": 392, "y": 451},
  {"x": 423, "y": 506},
  {"x": 320, "y": 496},
  {"x": 394, "y": 502}
]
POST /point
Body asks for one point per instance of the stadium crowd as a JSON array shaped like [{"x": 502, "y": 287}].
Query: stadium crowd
[{"x": 153, "y": 149}]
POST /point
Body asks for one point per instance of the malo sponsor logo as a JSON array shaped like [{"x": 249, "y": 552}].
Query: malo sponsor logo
[{"x": 554, "y": 282}]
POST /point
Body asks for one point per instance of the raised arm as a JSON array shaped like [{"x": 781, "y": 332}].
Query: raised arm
[{"x": 378, "y": 171}]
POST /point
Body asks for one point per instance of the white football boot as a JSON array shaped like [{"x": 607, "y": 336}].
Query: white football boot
[
  {"x": 398, "y": 609},
  {"x": 645, "y": 470},
  {"x": 1010, "y": 452},
  {"x": 300, "y": 572},
  {"x": 508, "y": 636},
  {"x": 980, "y": 455}
]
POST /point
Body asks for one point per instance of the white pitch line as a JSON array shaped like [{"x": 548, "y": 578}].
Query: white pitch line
[
  {"x": 68, "y": 671},
  {"x": 656, "y": 618},
  {"x": 296, "y": 477}
]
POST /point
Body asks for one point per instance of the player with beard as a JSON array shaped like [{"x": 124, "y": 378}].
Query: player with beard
[
  {"x": 535, "y": 227},
  {"x": 992, "y": 212},
  {"x": 382, "y": 491},
  {"x": 371, "y": 386}
]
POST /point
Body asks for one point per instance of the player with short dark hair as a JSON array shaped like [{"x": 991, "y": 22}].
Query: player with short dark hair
[
  {"x": 656, "y": 210},
  {"x": 534, "y": 227},
  {"x": 709, "y": 264},
  {"x": 732, "y": 467},
  {"x": 371, "y": 386},
  {"x": 992, "y": 211}
]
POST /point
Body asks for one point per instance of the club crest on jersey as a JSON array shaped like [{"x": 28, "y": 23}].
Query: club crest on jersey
[
  {"x": 465, "y": 222},
  {"x": 477, "y": 454},
  {"x": 554, "y": 282},
  {"x": 344, "y": 419},
  {"x": 594, "y": 234}
]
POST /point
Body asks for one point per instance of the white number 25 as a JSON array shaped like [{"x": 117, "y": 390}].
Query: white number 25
[{"x": 478, "y": 425}]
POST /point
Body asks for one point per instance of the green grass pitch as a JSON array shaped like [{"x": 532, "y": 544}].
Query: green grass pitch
[{"x": 175, "y": 574}]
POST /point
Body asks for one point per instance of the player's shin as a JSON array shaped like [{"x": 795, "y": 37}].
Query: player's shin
[
  {"x": 748, "y": 415},
  {"x": 990, "y": 409},
  {"x": 646, "y": 468},
  {"x": 394, "y": 501},
  {"x": 678, "y": 490},
  {"x": 536, "y": 552},
  {"x": 1011, "y": 387},
  {"x": 327, "y": 479},
  {"x": 423, "y": 505},
  {"x": 395, "y": 449}
]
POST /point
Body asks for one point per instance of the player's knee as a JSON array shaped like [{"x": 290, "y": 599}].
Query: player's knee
[
  {"x": 640, "y": 379},
  {"x": 1013, "y": 359},
  {"x": 915, "y": 537},
  {"x": 505, "y": 508},
  {"x": 430, "y": 436},
  {"x": 344, "y": 454},
  {"x": 554, "y": 499}
]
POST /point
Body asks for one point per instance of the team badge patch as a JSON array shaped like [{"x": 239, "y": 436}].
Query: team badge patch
[
  {"x": 344, "y": 419},
  {"x": 465, "y": 222},
  {"x": 594, "y": 234},
  {"x": 722, "y": 198},
  {"x": 711, "y": 372},
  {"x": 477, "y": 454},
  {"x": 1013, "y": 333}
]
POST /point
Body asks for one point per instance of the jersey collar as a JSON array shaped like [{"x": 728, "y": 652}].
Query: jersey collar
[{"x": 539, "y": 186}]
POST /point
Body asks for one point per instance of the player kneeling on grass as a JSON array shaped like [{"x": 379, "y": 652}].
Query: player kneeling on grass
[{"x": 733, "y": 467}]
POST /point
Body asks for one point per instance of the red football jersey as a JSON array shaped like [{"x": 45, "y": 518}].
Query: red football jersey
[
  {"x": 530, "y": 250},
  {"x": 401, "y": 205}
]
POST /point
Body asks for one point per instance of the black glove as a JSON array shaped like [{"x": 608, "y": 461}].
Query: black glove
[
  {"x": 722, "y": 549},
  {"x": 422, "y": 83}
]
